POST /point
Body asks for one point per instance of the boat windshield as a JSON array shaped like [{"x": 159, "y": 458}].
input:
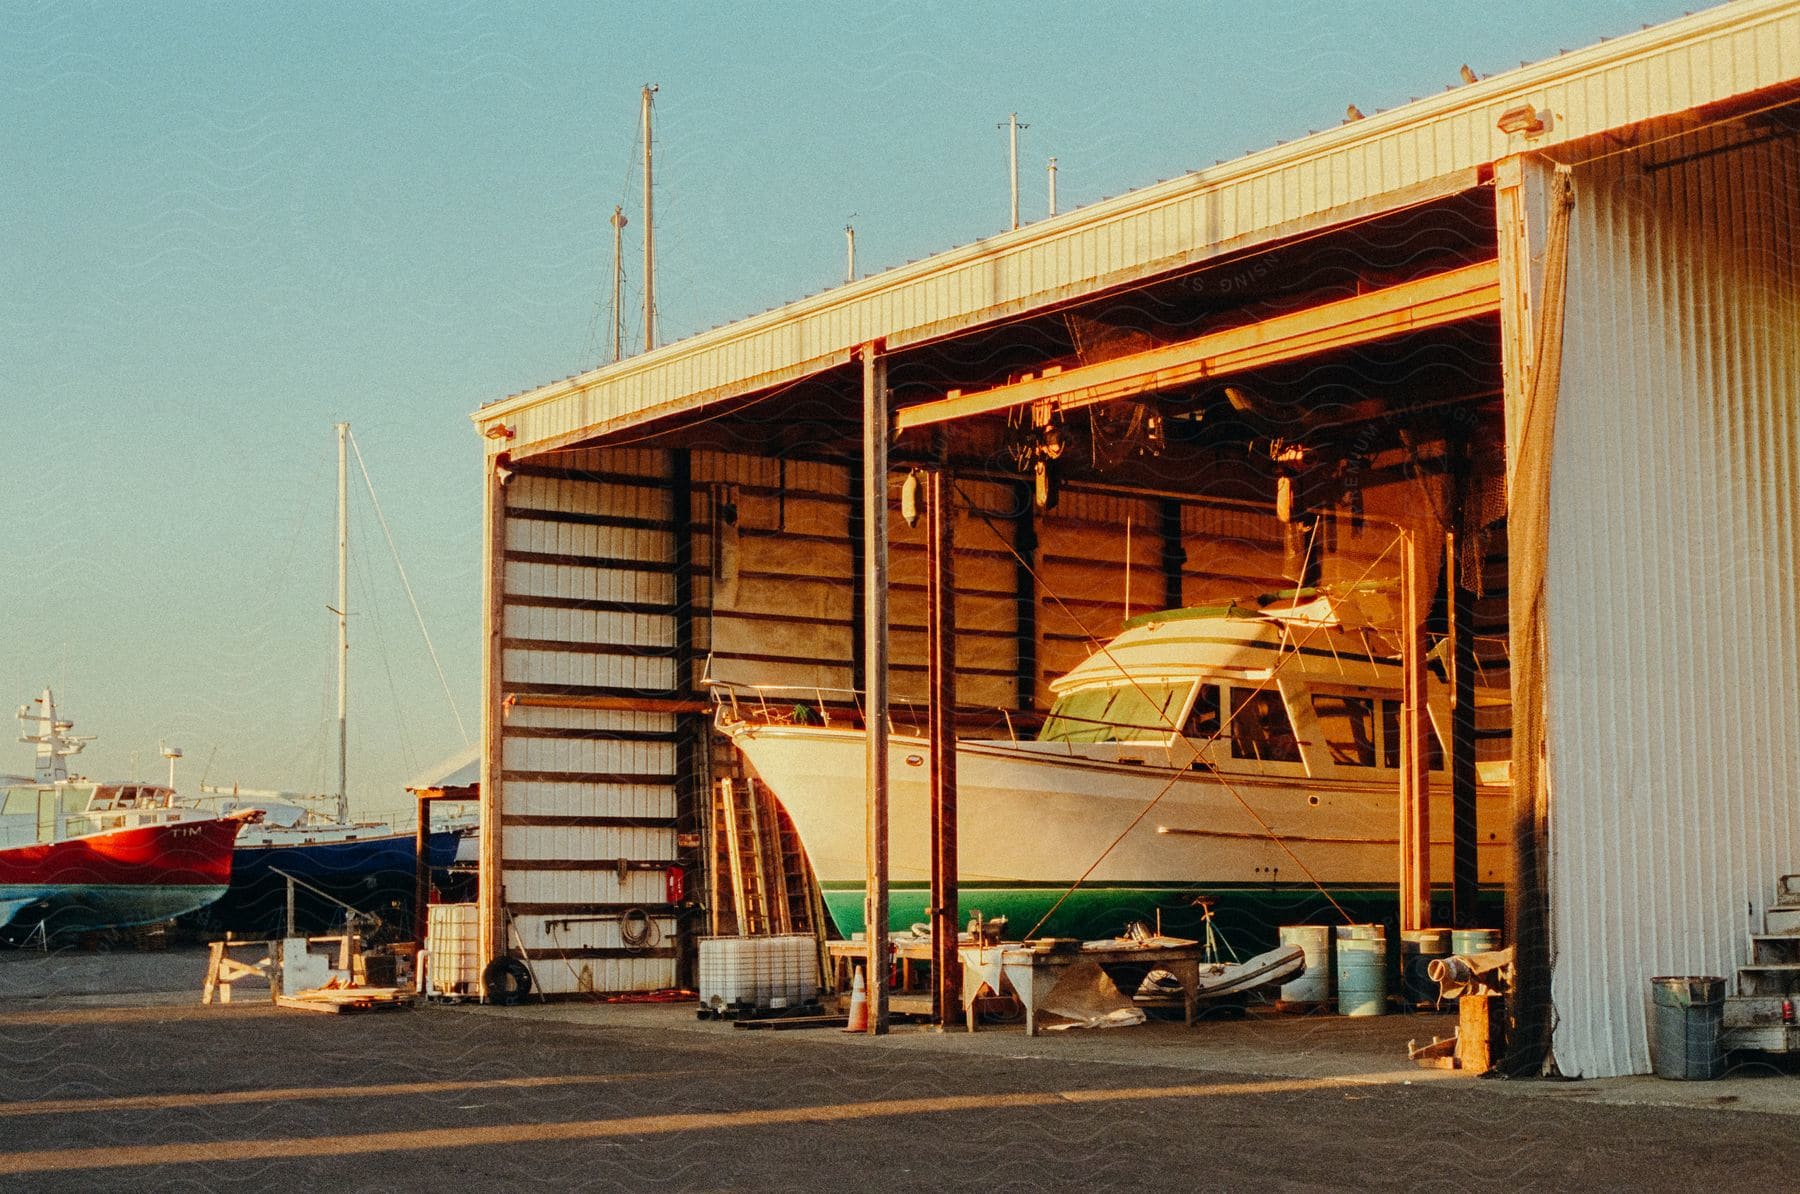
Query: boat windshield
[{"x": 1121, "y": 713}]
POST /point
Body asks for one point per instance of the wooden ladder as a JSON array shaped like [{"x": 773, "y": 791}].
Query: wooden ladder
[{"x": 737, "y": 816}]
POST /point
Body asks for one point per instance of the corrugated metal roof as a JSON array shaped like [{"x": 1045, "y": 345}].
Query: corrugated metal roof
[{"x": 1431, "y": 146}]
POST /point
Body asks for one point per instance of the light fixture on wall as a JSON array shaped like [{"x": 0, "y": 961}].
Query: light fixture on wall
[{"x": 1523, "y": 119}]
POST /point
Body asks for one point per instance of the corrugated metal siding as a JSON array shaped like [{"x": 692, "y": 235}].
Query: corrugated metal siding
[
  {"x": 1433, "y": 144},
  {"x": 589, "y": 611},
  {"x": 1673, "y": 623}
]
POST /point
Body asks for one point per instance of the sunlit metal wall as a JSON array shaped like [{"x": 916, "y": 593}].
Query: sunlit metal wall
[
  {"x": 1674, "y": 648},
  {"x": 588, "y": 794}
]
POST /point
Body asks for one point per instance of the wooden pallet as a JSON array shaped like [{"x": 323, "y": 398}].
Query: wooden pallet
[{"x": 343, "y": 1000}]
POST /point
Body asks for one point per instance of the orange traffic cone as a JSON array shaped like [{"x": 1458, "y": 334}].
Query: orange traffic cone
[{"x": 859, "y": 1005}]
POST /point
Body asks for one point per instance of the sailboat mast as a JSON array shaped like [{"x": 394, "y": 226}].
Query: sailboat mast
[{"x": 343, "y": 617}]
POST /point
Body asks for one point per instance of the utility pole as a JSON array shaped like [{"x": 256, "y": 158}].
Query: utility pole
[
  {"x": 849, "y": 252},
  {"x": 649, "y": 232},
  {"x": 618, "y": 314},
  {"x": 1012, "y": 124},
  {"x": 1052, "y": 186}
]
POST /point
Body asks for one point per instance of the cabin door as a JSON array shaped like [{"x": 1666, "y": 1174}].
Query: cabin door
[{"x": 47, "y": 810}]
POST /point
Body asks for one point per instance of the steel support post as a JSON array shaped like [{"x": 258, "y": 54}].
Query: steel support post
[
  {"x": 940, "y": 548},
  {"x": 875, "y": 657}
]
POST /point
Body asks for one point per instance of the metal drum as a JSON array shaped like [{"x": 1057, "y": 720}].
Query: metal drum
[
  {"x": 1313, "y": 987},
  {"x": 1418, "y": 949},
  {"x": 1464, "y": 942},
  {"x": 1362, "y": 970}
]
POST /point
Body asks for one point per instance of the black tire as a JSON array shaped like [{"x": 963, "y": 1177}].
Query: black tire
[{"x": 506, "y": 982}]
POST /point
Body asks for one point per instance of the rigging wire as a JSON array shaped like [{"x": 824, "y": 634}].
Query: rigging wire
[
  {"x": 366, "y": 587},
  {"x": 394, "y": 551}
]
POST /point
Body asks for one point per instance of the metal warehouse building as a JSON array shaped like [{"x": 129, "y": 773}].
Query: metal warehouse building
[{"x": 1553, "y": 315}]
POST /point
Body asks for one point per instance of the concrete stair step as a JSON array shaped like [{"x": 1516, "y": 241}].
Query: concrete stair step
[
  {"x": 1762, "y": 1038},
  {"x": 1780, "y": 922},
  {"x": 1752, "y": 1011},
  {"x": 1778, "y": 979},
  {"x": 1767, "y": 949},
  {"x": 1787, "y": 891}
]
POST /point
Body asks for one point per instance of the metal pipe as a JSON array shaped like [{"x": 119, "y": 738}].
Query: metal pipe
[
  {"x": 1012, "y": 125},
  {"x": 849, "y": 252},
  {"x": 649, "y": 231},
  {"x": 1052, "y": 186},
  {"x": 940, "y": 565},
  {"x": 875, "y": 655}
]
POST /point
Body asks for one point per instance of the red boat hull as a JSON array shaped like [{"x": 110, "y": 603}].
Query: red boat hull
[{"x": 118, "y": 878}]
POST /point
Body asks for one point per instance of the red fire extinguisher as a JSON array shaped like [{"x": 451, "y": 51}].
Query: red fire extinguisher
[{"x": 674, "y": 884}]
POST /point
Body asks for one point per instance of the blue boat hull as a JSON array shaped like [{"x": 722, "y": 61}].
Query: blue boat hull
[{"x": 375, "y": 874}]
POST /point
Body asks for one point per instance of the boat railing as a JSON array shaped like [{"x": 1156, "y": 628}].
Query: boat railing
[{"x": 737, "y": 704}]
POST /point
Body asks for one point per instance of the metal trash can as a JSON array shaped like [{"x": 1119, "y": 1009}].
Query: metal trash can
[{"x": 1690, "y": 1018}]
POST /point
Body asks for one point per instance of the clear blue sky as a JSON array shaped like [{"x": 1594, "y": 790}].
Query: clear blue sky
[{"x": 224, "y": 227}]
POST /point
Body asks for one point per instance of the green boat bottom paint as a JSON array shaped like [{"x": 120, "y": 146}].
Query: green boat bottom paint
[{"x": 1247, "y": 920}]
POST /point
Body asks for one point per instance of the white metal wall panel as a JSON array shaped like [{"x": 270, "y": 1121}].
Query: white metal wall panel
[
  {"x": 588, "y": 612},
  {"x": 1437, "y": 142},
  {"x": 1674, "y": 633}
]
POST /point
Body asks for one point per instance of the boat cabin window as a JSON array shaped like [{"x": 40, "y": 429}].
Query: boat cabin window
[
  {"x": 1260, "y": 728},
  {"x": 20, "y": 802},
  {"x": 1347, "y": 724},
  {"x": 1123, "y": 713},
  {"x": 1390, "y": 738},
  {"x": 75, "y": 800},
  {"x": 1203, "y": 720}
]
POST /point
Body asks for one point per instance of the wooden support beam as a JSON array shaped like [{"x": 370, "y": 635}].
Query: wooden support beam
[
  {"x": 1448, "y": 297},
  {"x": 1465, "y": 834},
  {"x": 940, "y": 540},
  {"x": 1415, "y": 725},
  {"x": 490, "y": 895},
  {"x": 875, "y": 657}
]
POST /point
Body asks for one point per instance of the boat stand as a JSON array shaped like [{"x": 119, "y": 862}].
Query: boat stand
[{"x": 222, "y": 970}]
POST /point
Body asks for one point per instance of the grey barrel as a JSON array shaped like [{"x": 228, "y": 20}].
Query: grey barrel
[{"x": 1690, "y": 1018}]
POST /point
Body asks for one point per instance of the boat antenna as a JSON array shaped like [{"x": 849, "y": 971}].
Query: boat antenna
[
  {"x": 343, "y": 620},
  {"x": 53, "y": 741},
  {"x": 170, "y": 753}
]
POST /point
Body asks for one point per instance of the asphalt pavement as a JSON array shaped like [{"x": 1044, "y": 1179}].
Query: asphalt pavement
[{"x": 103, "y": 1088}]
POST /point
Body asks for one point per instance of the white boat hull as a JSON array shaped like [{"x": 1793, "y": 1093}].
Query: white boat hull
[{"x": 1037, "y": 817}]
